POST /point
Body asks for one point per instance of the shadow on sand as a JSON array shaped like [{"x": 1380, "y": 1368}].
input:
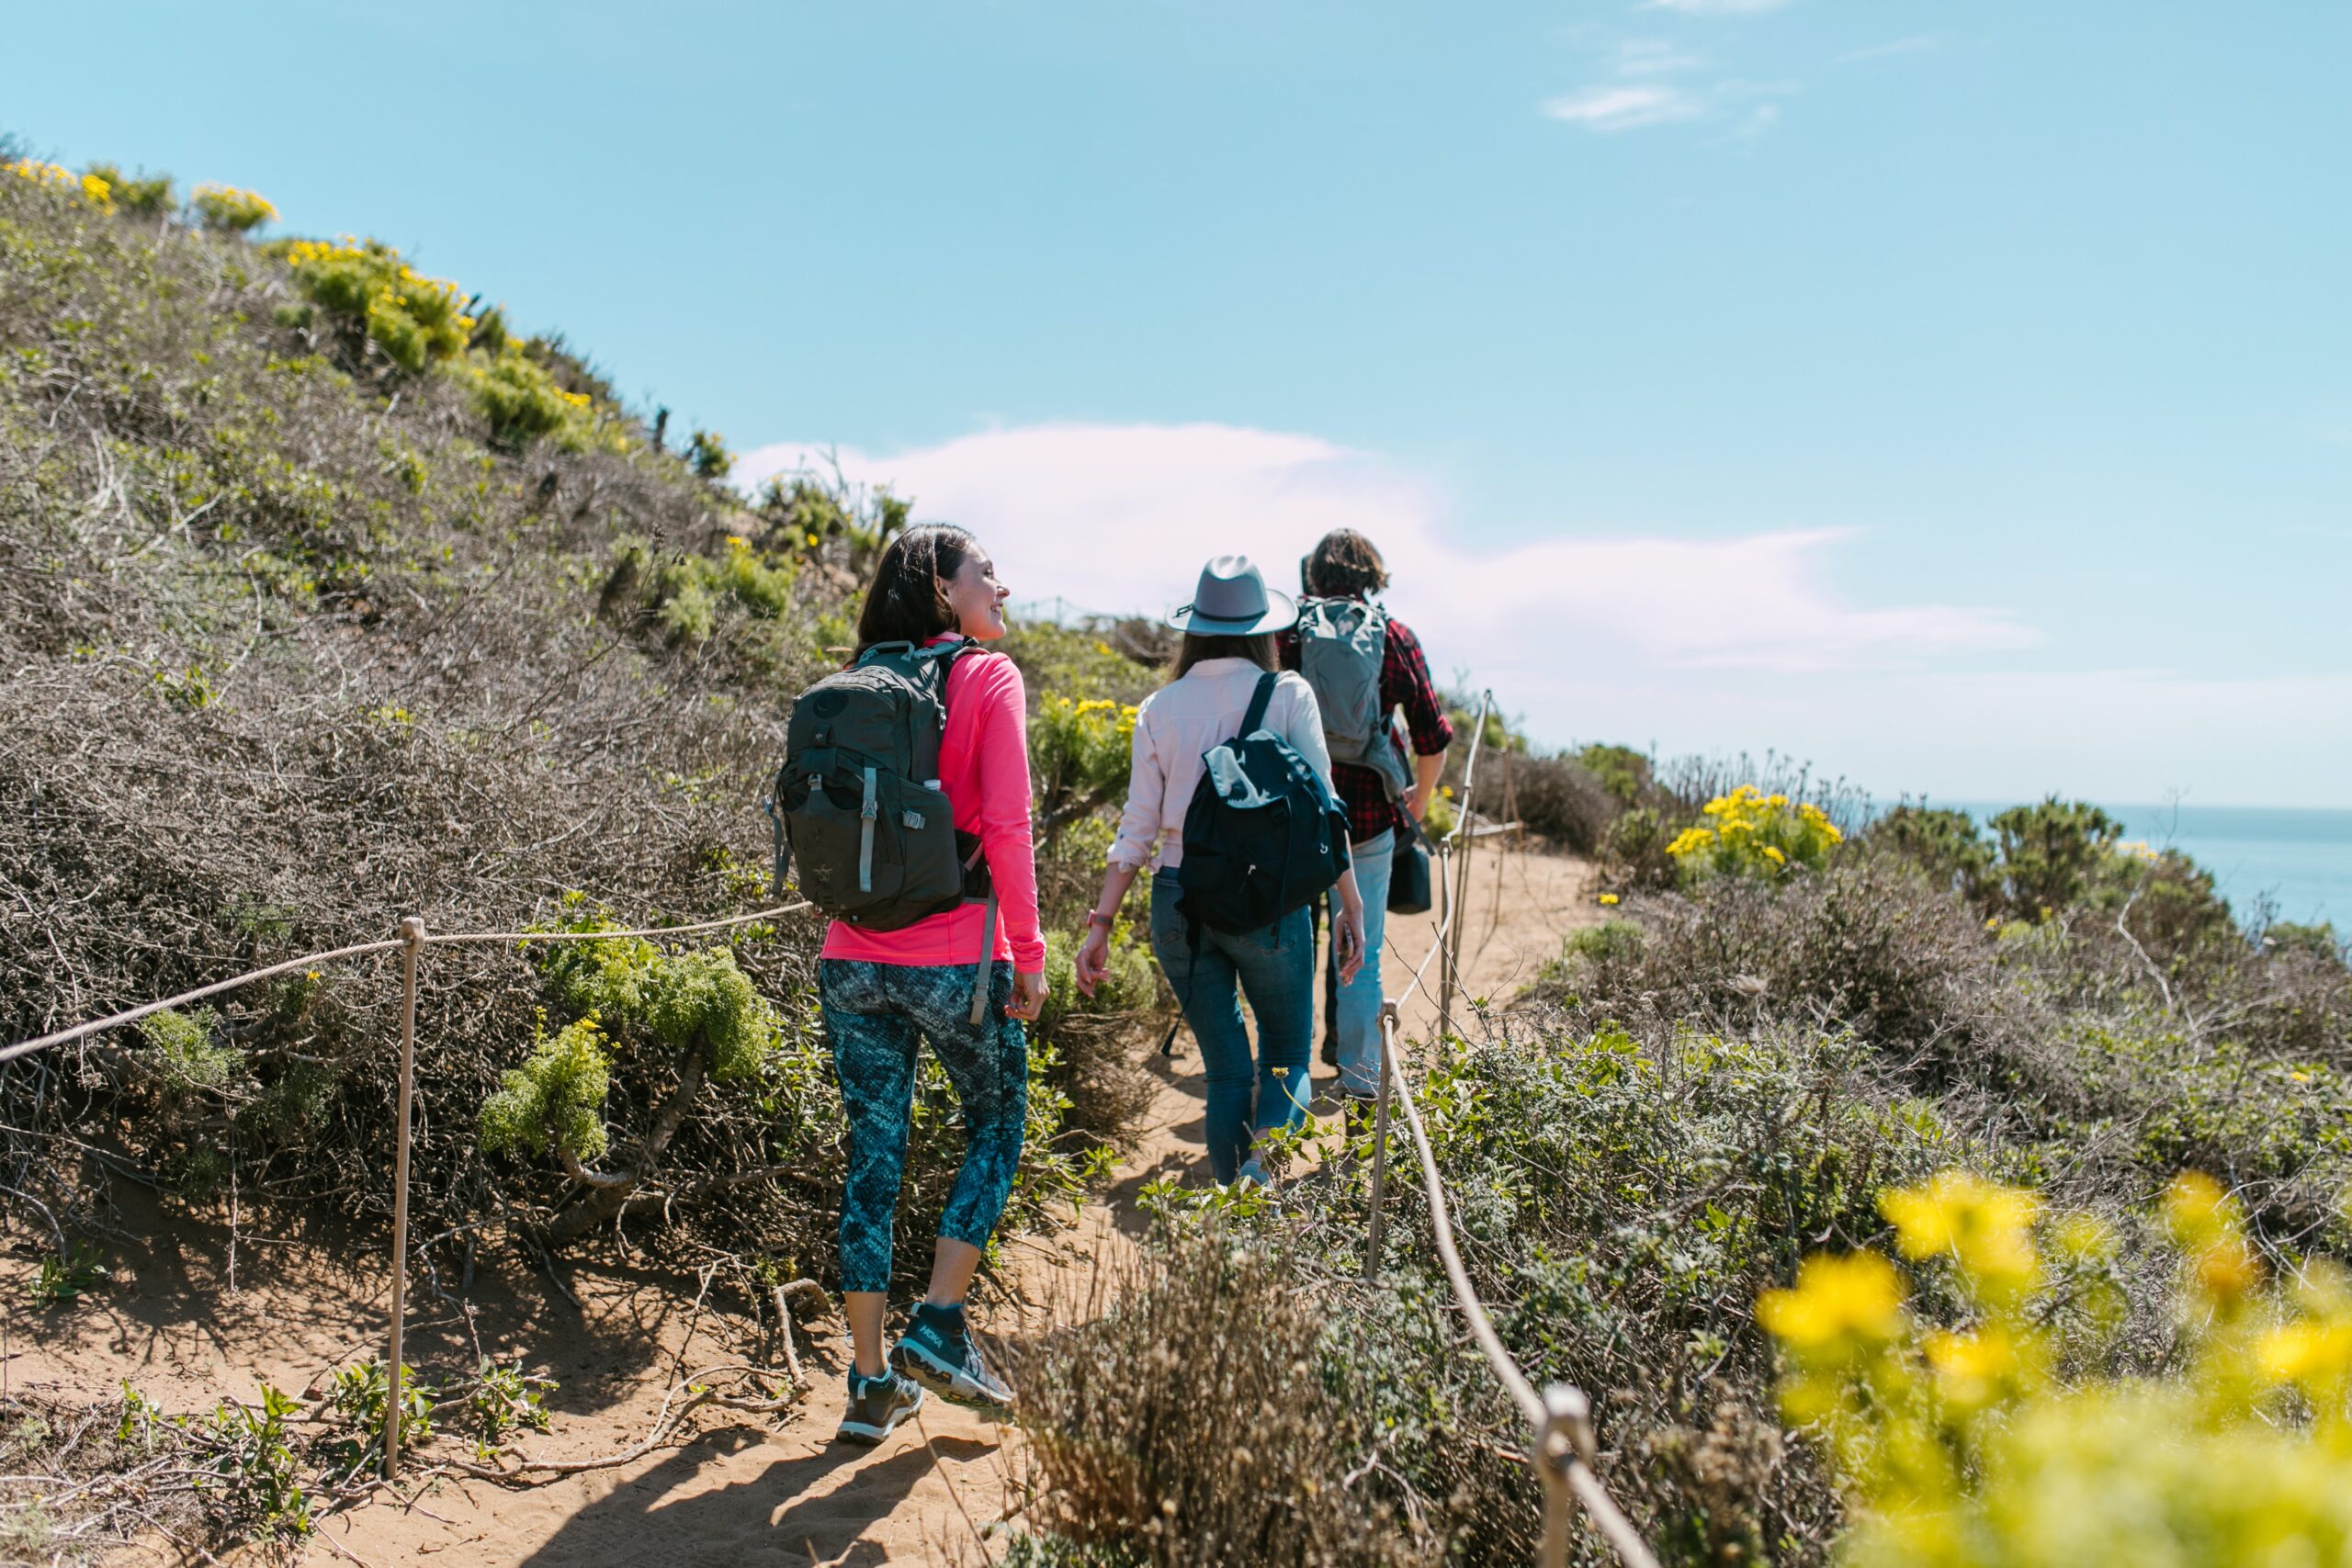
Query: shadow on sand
[{"x": 795, "y": 1512}]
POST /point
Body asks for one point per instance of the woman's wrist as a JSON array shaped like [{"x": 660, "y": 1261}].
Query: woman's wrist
[{"x": 1096, "y": 919}]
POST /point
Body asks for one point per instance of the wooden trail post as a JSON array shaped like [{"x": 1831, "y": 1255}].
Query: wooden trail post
[
  {"x": 1463, "y": 842},
  {"x": 412, "y": 933},
  {"x": 1380, "y": 1141}
]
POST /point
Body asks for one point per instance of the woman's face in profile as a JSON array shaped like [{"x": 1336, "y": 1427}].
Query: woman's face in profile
[{"x": 977, "y": 599}]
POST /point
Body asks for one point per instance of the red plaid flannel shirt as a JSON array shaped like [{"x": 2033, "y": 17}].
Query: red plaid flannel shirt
[{"x": 1403, "y": 683}]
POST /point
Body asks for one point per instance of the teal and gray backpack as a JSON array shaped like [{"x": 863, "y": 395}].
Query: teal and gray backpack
[
  {"x": 1262, "y": 836},
  {"x": 1341, "y": 643},
  {"x": 857, "y": 801}
]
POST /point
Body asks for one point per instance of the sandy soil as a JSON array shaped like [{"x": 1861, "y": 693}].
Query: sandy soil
[{"x": 733, "y": 1491}]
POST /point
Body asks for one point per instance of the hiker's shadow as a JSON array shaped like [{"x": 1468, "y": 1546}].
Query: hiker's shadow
[{"x": 794, "y": 1513}]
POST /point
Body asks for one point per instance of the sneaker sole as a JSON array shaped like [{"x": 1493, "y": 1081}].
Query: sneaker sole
[
  {"x": 865, "y": 1434},
  {"x": 949, "y": 1383}
]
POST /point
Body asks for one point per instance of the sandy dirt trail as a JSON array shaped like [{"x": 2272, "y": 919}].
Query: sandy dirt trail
[{"x": 737, "y": 1492}]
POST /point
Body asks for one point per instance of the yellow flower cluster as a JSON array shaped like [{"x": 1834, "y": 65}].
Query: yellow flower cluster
[
  {"x": 414, "y": 319},
  {"x": 1078, "y": 750},
  {"x": 1984, "y": 1227},
  {"x": 1839, "y": 1305},
  {"x": 233, "y": 210},
  {"x": 1966, "y": 1446},
  {"x": 1750, "y": 833},
  {"x": 91, "y": 188}
]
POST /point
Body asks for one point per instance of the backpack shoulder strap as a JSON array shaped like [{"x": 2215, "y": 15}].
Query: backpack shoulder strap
[{"x": 1255, "y": 719}]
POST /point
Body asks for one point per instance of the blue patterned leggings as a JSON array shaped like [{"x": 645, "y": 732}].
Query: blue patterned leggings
[{"x": 873, "y": 1013}]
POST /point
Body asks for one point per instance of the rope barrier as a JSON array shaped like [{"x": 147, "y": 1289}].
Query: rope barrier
[
  {"x": 361, "y": 949},
  {"x": 1562, "y": 1447},
  {"x": 412, "y": 942}
]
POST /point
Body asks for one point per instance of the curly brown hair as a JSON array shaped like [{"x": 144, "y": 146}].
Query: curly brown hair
[{"x": 1343, "y": 565}]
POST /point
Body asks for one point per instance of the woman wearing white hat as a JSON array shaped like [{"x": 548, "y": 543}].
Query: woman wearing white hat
[{"x": 1228, "y": 651}]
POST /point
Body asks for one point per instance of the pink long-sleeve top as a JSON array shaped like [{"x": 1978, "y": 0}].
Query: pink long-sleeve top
[{"x": 984, "y": 769}]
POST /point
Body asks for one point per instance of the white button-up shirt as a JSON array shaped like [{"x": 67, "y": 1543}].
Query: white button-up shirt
[{"x": 1183, "y": 719}]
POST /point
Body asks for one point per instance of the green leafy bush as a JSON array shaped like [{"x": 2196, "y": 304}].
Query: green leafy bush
[
  {"x": 1623, "y": 773},
  {"x": 361, "y": 1395},
  {"x": 1946, "y": 844},
  {"x": 2050, "y": 853},
  {"x": 556, "y": 1098},
  {"x": 708, "y": 456},
  {"x": 228, "y": 210},
  {"x": 186, "y": 1057},
  {"x": 1079, "y": 756},
  {"x": 376, "y": 298},
  {"x": 507, "y": 1399},
  {"x": 522, "y": 402},
  {"x": 139, "y": 195},
  {"x": 1633, "y": 853},
  {"x": 253, "y": 1478}
]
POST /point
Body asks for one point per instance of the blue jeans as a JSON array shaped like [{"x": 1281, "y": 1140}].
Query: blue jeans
[
  {"x": 873, "y": 1013},
  {"x": 1360, "y": 998},
  {"x": 1274, "y": 967}
]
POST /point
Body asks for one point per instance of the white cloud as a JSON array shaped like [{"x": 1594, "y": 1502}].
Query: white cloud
[
  {"x": 1625, "y": 107},
  {"x": 1654, "y": 57},
  {"x": 1920, "y": 44},
  {"x": 1648, "y": 81},
  {"x": 1708, "y": 645},
  {"x": 1119, "y": 518}
]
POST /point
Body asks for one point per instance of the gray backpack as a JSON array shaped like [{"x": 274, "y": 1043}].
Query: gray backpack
[
  {"x": 1341, "y": 643},
  {"x": 858, "y": 802}
]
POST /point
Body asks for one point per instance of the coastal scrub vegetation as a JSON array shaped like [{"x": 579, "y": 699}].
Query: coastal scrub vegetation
[
  {"x": 1848, "y": 1178},
  {"x": 328, "y": 596},
  {"x": 1938, "y": 1195}
]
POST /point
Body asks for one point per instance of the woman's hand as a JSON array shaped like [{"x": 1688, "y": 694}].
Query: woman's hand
[
  {"x": 1093, "y": 959},
  {"x": 1347, "y": 927},
  {"x": 1347, "y": 936},
  {"x": 1028, "y": 997}
]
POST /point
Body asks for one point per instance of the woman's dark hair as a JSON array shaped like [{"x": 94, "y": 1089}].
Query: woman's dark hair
[
  {"x": 1344, "y": 565},
  {"x": 909, "y": 600},
  {"x": 1258, "y": 647}
]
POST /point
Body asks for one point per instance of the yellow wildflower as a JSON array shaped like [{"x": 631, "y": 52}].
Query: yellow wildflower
[
  {"x": 2313, "y": 1354},
  {"x": 1985, "y": 1227},
  {"x": 1609, "y": 897},
  {"x": 2197, "y": 1211},
  {"x": 1970, "y": 1368},
  {"x": 1690, "y": 841},
  {"x": 1838, "y": 1303}
]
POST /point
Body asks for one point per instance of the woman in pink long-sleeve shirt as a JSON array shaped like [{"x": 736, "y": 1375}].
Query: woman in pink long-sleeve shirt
[{"x": 881, "y": 990}]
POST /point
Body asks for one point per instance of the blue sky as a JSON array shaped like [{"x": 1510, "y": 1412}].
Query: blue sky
[{"x": 1959, "y": 395}]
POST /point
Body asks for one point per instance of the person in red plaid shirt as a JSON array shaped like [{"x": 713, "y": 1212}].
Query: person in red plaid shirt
[{"x": 1345, "y": 565}]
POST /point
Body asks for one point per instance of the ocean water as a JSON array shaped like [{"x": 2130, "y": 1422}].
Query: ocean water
[{"x": 2301, "y": 859}]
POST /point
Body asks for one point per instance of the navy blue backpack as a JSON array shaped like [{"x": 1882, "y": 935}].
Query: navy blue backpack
[{"x": 1262, "y": 836}]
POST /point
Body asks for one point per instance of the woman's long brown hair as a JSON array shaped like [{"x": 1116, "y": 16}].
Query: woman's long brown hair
[
  {"x": 1257, "y": 647},
  {"x": 908, "y": 601}
]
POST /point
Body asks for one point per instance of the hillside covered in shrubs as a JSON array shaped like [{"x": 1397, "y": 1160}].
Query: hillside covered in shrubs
[{"x": 328, "y": 597}]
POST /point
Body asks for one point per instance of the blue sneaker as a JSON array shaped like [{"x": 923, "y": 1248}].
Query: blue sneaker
[
  {"x": 877, "y": 1405},
  {"x": 937, "y": 1351}
]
